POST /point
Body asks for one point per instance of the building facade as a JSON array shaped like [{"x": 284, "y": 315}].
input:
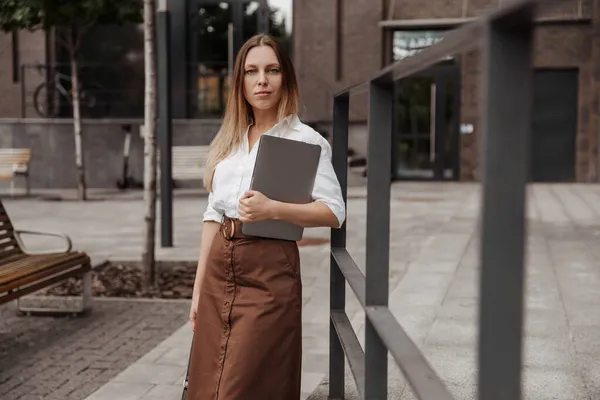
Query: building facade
[
  {"x": 336, "y": 43},
  {"x": 437, "y": 112},
  {"x": 204, "y": 38}
]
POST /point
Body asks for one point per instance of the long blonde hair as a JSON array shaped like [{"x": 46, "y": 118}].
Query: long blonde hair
[{"x": 238, "y": 113}]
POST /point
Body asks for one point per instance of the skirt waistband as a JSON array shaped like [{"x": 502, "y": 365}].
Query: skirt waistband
[{"x": 231, "y": 228}]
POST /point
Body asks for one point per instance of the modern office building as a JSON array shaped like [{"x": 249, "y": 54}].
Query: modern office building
[{"x": 438, "y": 130}]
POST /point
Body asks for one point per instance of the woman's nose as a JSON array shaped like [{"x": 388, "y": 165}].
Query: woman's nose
[{"x": 262, "y": 78}]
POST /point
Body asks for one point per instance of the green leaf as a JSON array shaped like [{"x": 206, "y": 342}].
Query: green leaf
[{"x": 78, "y": 14}]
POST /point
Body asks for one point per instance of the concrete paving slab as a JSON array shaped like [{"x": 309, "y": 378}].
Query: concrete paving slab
[
  {"x": 122, "y": 391},
  {"x": 163, "y": 392},
  {"x": 155, "y": 374}
]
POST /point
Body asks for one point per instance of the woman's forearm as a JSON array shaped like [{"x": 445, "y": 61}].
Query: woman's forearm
[
  {"x": 209, "y": 231},
  {"x": 306, "y": 215}
]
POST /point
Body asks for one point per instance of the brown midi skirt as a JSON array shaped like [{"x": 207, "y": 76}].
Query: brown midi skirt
[{"x": 248, "y": 336}]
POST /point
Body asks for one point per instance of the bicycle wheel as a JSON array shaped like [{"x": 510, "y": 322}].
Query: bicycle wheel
[
  {"x": 45, "y": 100},
  {"x": 94, "y": 102}
]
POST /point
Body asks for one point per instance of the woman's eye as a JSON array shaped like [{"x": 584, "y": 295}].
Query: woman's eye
[
  {"x": 274, "y": 70},
  {"x": 250, "y": 71}
]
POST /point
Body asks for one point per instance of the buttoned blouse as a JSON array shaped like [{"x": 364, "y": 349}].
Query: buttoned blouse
[{"x": 233, "y": 174}]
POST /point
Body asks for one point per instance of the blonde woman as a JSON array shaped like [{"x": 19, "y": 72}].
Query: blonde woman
[{"x": 247, "y": 303}]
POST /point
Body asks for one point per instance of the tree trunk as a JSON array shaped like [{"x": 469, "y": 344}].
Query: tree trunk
[
  {"x": 148, "y": 256},
  {"x": 79, "y": 160}
]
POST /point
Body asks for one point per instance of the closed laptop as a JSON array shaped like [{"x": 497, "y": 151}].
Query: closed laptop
[{"x": 285, "y": 170}]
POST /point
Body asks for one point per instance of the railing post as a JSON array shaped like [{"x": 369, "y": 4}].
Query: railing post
[
  {"x": 337, "y": 289},
  {"x": 506, "y": 151},
  {"x": 378, "y": 230}
]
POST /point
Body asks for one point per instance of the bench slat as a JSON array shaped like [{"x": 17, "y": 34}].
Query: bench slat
[
  {"x": 32, "y": 264},
  {"x": 15, "y": 150},
  {"x": 15, "y": 156},
  {"x": 188, "y": 162},
  {"x": 38, "y": 267}
]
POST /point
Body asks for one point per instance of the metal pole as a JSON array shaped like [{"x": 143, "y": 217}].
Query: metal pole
[
  {"x": 381, "y": 100},
  {"x": 238, "y": 26},
  {"x": 164, "y": 123},
  {"x": 506, "y": 97},
  {"x": 24, "y": 94},
  {"x": 337, "y": 289},
  {"x": 230, "y": 59}
]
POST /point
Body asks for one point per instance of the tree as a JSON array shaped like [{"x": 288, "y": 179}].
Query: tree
[
  {"x": 212, "y": 30},
  {"x": 70, "y": 20},
  {"x": 148, "y": 255}
]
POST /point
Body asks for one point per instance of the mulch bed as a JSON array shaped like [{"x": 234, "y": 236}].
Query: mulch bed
[{"x": 124, "y": 279}]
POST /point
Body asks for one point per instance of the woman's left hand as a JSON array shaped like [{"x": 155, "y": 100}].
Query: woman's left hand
[{"x": 255, "y": 206}]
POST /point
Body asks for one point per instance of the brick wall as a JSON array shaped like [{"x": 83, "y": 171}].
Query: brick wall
[
  {"x": 32, "y": 49},
  {"x": 315, "y": 49},
  {"x": 10, "y": 91}
]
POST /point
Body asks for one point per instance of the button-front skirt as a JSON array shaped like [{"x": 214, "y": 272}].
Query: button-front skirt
[{"x": 248, "y": 337}]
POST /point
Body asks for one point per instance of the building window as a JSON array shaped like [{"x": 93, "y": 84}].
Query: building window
[{"x": 406, "y": 43}]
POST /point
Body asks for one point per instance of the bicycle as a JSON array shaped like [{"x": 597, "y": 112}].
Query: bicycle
[{"x": 47, "y": 96}]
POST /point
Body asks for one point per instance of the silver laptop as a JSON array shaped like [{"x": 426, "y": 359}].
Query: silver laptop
[{"x": 285, "y": 170}]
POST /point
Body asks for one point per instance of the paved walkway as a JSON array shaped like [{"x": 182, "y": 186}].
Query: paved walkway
[
  {"x": 433, "y": 284},
  {"x": 55, "y": 358}
]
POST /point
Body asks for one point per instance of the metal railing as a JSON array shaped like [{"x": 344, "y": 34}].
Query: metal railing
[{"x": 505, "y": 38}]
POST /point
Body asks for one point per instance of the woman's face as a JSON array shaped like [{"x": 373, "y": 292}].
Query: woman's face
[{"x": 262, "y": 78}]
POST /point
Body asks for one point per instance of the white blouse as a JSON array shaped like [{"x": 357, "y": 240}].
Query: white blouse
[{"x": 233, "y": 174}]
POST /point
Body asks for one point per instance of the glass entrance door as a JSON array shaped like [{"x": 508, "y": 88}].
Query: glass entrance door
[{"x": 426, "y": 125}]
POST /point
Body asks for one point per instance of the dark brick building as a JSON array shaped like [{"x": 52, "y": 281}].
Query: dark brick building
[{"x": 341, "y": 42}]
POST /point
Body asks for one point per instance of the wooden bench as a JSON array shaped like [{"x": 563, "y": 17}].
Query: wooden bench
[
  {"x": 23, "y": 272},
  {"x": 13, "y": 163},
  {"x": 188, "y": 162}
]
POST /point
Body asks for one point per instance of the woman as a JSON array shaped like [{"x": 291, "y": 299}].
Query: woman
[{"x": 247, "y": 303}]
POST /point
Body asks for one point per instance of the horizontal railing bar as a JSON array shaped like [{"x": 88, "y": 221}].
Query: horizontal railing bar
[
  {"x": 454, "y": 42},
  {"x": 423, "y": 379},
  {"x": 454, "y": 22},
  {"x": 424, "y": 22},
  {"x": 352, "y": 348},
  {"x": 351, "y": 272},
  {"x": 354, "y": 89}
]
